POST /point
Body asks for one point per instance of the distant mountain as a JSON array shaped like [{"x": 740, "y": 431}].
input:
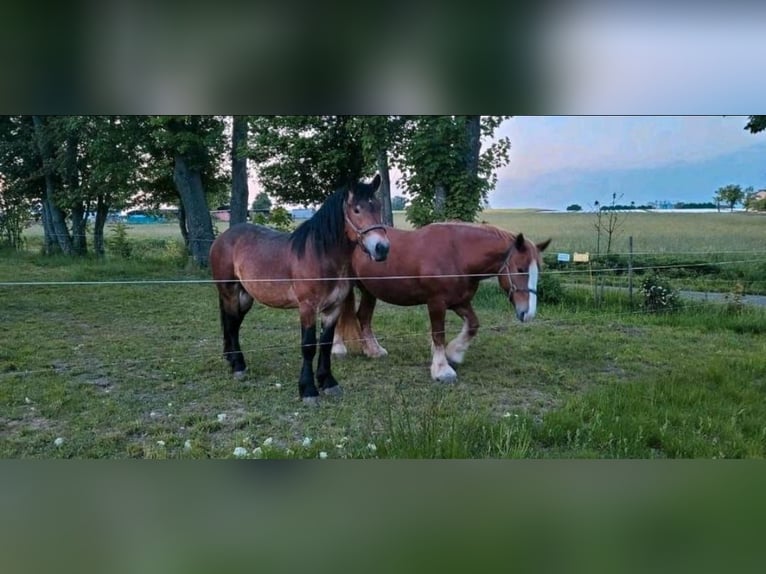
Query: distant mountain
[{"x": 694, "y": 181}]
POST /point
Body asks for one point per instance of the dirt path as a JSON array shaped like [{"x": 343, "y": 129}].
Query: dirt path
[{"x": 759, "y": 300}]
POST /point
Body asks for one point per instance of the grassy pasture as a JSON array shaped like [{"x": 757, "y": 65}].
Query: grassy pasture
[{"x": 134, "y": 370}]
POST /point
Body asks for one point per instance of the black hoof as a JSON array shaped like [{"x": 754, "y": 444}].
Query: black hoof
[
  {"x": 311, "y": 401},
  {"x": 239, "y": 375}
]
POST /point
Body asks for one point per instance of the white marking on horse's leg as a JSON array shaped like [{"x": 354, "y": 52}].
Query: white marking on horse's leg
[
  {"x": 372, "y": 348},
  {"x": 440, "y": 369},
  {"x": 532, "y": 284},
  {"x": 338, "y": 346},
  {"x": 459, "y": 345}
]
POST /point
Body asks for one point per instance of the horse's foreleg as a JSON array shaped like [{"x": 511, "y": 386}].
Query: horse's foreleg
[
  {"x": 234, "y": 303},
  {"x": 306, "y": 388},
  {"x": 366, "y": 308},
  {"x": 327, "y": 383},
  {"x": 459, "y": 345},
  {"x": 440, "y": 368}
]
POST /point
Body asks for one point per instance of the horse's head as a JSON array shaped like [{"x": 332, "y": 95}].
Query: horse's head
[
  {"x": 364, "y": 224},
  {"x": 519, "y": 273}
]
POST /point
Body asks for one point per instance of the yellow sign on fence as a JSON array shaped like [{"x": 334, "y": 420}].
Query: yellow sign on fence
[{"x": 581, "y": 257}]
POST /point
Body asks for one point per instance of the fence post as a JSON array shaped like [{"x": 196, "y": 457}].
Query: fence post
[{"x": 630, "y": 270}]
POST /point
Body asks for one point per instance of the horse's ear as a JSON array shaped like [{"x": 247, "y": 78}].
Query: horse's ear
[
  {"x": 520, "y": 244},
  {"x": 350, "y": 196},
  {"x": 543, "y": 245},
  {"x": 375, "y": 183}
]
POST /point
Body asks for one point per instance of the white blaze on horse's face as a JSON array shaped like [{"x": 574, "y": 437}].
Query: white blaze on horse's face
[{"x": 532, "y": 286}]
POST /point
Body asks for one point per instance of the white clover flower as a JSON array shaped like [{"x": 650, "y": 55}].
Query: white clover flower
[
  {"x": 506, "y": 415},
  {"x": 306, "y": 441},
  {"x": 371, "y": 446},
  {"x": 59, "y": 441},
  {"x": 153, "y": 414},
  {"x": 268, "y": 441},
  {"x": 160, "y": 443},
  {"x": 278, "y": 385},
  {"x": 323, "y": 455},
  {"x": 240, "y": 452},
  {"x": 221, "y": 417},
  {"x": 187, "y": 445},
  {"x": 27, "y": 400},
  {"x": 258, "y": 452}
]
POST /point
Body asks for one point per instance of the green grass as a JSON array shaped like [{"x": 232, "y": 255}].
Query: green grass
[{"x": 134, "y": 370}]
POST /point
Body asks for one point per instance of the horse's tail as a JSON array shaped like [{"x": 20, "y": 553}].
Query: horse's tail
[{"x": 347, "y": 329}]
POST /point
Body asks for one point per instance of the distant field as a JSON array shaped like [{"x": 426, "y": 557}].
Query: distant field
[{"x": 652, "y": 232}]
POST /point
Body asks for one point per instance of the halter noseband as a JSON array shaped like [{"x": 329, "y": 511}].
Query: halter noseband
[
  {"x": 360, "y": 232},
  {"x": 506, "y": 265}
]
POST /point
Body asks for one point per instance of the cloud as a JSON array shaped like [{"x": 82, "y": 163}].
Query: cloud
[{"x": 541, "y": 145}]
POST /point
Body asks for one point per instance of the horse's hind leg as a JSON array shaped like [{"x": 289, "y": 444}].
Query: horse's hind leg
[
  {"x": 366, "y": 308},
  {"x": 440, "y": 368},
  {"x": 234, "y": 303},
  {"x": 459, "y": 345}
]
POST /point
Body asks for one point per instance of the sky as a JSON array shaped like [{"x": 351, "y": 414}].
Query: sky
[{"x": 693, "y": 153}]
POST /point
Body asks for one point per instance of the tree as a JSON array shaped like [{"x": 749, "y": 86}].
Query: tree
[
  {"x": 753, "y": 203},
  {"x": 609, "y": 221},
  {"x": 22, "y": 185},
  {"x": 239, "y": 189},
  {"x": 381, "y": 135},
  {"x": 262, "y": 202},
  {"x": 194, "y": 145},
  {"x": 756, "y": 124},
  {"x": 303, "y": 159},
  {"x": 398, "y": 203},
  {"x": 54, "y": 219},
  {"x": 444, "y": 171},
  {"x": 574, "y": 207},
  {"x": 730, "y": 194}
]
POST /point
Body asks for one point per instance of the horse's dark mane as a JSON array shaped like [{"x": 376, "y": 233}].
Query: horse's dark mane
[{"x": 326, "y": 228}]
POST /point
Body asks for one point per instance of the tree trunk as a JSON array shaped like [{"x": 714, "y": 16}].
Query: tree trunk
[
  {"x": 50, "y": 243},
  {"x": 56, "y": 216},
  {"x": 102, "y": 210},
  {"x": 79, "y": 217},
  {"x": 385, "y": 187},
  {"x": 78, "y": 214},
  {"x": 182, "y": 224},
  {"x": 200, "y": 227},
  {"x": 473, "y": 145},
  {"x": 239, "y": 189},
  {"x": 440, "y": 202}
]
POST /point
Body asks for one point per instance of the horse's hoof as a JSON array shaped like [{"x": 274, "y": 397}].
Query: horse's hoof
[
  {"x": 239, "y": 375},
  {"x": 311, "y": 401},
  {"x": 377, "y": 353},
  {"x": 446, "y": 378},
  {"x": 335, "y": 392},
  {"x": 339, "y": 351}
]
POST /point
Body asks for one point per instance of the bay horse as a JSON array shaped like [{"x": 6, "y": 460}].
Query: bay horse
[
  {"x": 307, "y": 269},
  {"x": 440, "y": 265}
]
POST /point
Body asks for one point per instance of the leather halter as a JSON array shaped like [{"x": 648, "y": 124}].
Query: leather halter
[
  {"x": 507, "y": 267},
  {"x": 360, "y": 232}
]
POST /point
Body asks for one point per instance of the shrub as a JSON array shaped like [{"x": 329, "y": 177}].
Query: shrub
[
  {"x": 549, "y": 289},
  {"x": 658, "y": 295},
  {"x": 118, "y": 243}
]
